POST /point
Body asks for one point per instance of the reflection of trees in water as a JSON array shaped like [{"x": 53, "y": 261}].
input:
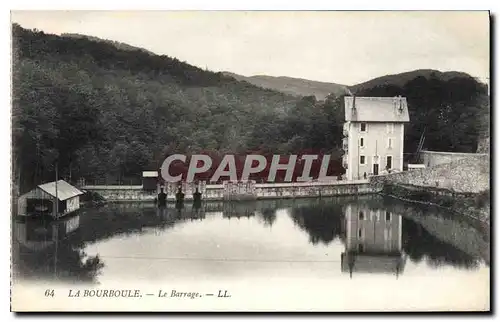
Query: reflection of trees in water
[
  {"x": 323, "y": 221},
  {"x": 71, "y": 265},
  {"x": 111, "y": 221},
  {"x": 45, "y": 251},
  {"x": 268, "y": 216},
  {"x": 67, "y": 260},
  {"x": 420, "y": 245}
]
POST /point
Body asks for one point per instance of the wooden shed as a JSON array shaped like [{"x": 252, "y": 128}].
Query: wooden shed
[
  {"x": 149, "y": 180},
  {"x": 41, "y": 200}
]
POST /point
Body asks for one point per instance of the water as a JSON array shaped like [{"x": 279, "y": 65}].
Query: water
[{"x": 309, "y": 254}]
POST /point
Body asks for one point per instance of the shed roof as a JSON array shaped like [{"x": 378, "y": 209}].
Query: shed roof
[
  {"x": 376, "y": 109},
  {"x": 150, "y": 174},
  {"x": 64, "y": 190}
]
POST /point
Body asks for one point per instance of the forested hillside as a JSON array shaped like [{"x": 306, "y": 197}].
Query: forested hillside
[
  {"x": 104, "y": 112},
  {"x": 401, "y": 79},
  {"x": 117, "y": 44},
  {"x": 451, "y": 110}
]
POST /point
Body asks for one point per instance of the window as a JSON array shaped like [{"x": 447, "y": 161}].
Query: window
[
  {"x": 363, "y": 127},
  {"x": 390, "y": 128},
  {"x": 361, "y": 159},
  {"x": 361, "y": 248},
  {"x": 387, "y": 216},
  {"x": 361, "y": 215},
  {"x": 362, "y": 142},
  {"x": 388, "y": 164},
  {"x": 389, "y": 143},
  {"x": 360, "y": 233}
]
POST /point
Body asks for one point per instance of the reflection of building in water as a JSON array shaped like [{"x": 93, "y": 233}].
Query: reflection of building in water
[
  {"x": 197, "y": 211},
  {"x": 373, "y": 241},
  {"x": 38, "y": 244},
  {"x": 52, "y": 250},
  {"x": 190, "y": 211},
  {"x": 238, "y": 209},
  {"x": 37, "y": 235}
]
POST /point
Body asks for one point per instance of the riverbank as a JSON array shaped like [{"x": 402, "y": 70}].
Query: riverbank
[{"x": 473, "y": 205}]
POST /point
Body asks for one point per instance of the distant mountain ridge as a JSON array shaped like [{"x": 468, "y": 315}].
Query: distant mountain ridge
[
  {"x": 293, "y": 86},
  {"x": 305, "y": 87}
]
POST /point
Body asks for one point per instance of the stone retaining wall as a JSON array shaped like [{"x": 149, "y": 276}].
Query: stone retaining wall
[
  {"x": 433, "y": 158},
  {"x": 470, "y": 175}
]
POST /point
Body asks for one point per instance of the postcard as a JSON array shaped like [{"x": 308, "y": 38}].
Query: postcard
[{"x": 250, "y": 161}]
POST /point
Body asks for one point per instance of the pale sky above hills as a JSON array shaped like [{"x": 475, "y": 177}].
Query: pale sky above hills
[{"x": 341, "y": 47}]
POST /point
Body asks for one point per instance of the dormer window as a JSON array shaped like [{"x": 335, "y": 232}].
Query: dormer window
[{"x": 363, "y": 127}]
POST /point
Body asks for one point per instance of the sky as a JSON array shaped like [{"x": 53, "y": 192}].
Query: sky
[{"x": 332, "y": 46}]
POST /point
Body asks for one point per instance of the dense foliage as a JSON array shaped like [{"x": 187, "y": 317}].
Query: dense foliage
[
  {"x": 104, "y": 112},
  {"x": 101, "y": 112},
  {"x": 454, "y": 112}
]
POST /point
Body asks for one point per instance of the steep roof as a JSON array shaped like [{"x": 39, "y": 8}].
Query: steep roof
[
  {"x": 64, "y": 190},
  {"x": 376, "y": 109}
]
